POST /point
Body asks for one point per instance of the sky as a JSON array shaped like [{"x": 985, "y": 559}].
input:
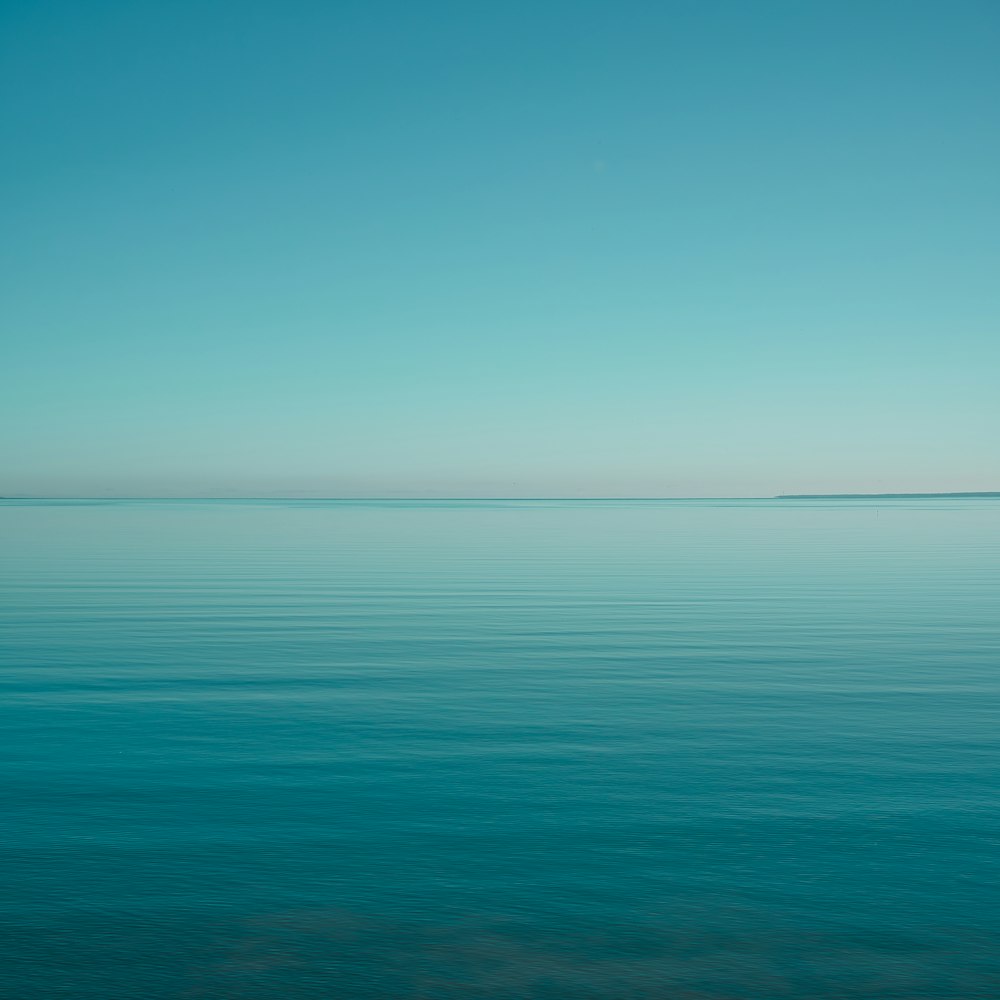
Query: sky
[{"x": 546, "y": 248}]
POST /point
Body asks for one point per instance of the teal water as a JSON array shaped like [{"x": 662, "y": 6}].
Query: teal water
[{"x": 682, "y": 750}]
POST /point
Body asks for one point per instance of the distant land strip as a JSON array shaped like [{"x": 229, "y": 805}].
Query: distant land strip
[{"x": 888, "y": 496}]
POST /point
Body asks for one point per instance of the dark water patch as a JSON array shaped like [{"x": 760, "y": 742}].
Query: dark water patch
[{"x": 327, "y": 954}]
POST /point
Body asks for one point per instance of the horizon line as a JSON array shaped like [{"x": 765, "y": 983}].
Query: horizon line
[
  {"x": 583, "y": 499},
  {"x": 427, "y": 498}
]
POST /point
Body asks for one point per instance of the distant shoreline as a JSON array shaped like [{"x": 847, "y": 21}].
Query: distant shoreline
[{"x": 888, "y": 496}]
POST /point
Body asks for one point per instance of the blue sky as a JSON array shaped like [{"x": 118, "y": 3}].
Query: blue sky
[{"x": 547, "y": 248}]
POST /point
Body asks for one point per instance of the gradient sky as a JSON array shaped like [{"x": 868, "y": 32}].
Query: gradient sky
[{"x": 521, "y": 248}]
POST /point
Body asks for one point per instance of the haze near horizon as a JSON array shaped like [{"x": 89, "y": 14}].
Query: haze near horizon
[{"x": 559, "y": 249}]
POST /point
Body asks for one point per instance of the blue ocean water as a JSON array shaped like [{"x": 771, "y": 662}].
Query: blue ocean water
[{"x": 672, "y": 750}]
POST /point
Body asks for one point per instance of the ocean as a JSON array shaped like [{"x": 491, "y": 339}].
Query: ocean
[{"x": 670, "y": 750}]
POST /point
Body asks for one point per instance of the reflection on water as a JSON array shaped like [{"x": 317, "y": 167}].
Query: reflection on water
[{"x": 651, "y": 749}]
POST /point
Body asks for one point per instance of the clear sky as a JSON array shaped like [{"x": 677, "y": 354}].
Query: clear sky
[{"x": 557, "y": 247}]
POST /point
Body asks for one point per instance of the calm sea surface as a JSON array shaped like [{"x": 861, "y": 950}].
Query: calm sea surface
[{"x": 675, "y": 750}]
